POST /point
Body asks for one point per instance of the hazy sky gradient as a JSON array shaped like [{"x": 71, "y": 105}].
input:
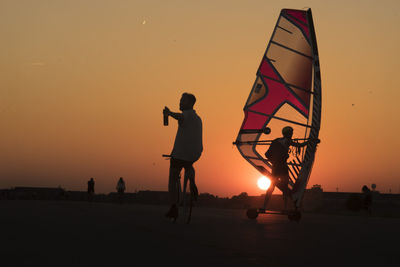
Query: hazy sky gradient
[{"x": 83, "y": 85}]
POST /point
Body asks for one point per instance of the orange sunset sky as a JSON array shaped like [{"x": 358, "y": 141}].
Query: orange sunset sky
[{"x": 83, "y": 85}]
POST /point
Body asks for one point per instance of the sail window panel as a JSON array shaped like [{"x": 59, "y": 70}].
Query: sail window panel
[
  {"x": 292, "y": 114},
  {"x": 247, "y": 151},
  {"x": 257, "y": 92},
  {"x": 294, "y": 68},
  {"x": 291, "y": 36},
  {"x": 261, "y": 149},
  {"x": 248, "y": 137},
  {"x": 261, "y": 163}
]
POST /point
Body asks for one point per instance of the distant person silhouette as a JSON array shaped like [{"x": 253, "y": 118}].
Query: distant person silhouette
[
  {"x": 367, "y": 201},
  {"x": 121, "y": 189},
  {"x": 187, "y": 149},
  {"x": 277, "y": 154},
  {"x": 121, "y": 186},
  {"x": 90, "y": 188}
]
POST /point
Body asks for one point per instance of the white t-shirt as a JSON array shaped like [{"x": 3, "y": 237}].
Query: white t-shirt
[{"x": 189, "y": 137}]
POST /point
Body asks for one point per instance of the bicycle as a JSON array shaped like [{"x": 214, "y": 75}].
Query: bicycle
[{"x": 185, "y": 200}]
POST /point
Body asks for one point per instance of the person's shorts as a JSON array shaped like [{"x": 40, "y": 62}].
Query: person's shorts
[
  {"x": 179, "y": 164},
  {"x": 280, "y": 171}
]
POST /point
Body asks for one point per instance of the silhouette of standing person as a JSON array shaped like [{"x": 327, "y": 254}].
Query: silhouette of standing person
[
  {"x": 367, "y": 201},
  {"x": 188, "y": 147},
  {"x": 90, "y": 188},
  {"x": 121, "y": 189}
]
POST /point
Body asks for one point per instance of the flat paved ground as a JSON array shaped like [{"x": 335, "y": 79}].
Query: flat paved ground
[{"x": 58, "y": 233}]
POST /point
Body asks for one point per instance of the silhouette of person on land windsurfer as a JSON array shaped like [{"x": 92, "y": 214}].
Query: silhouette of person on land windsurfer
[
  {"x": 187, "y": 149},
  {"x": 90, "y": 188},
  {"x": 277, "y": 154}
]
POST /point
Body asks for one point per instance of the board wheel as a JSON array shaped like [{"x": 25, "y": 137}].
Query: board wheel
[{"x": 252, "y": 213}]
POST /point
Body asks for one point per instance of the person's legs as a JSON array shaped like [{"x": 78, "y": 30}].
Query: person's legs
[
  {"x": 90, "y": 195},
  {"x": 268, "y": 194},
  {"x": 190, "y": 176},
  {"x": 285, "y": 200},
  {"x": 174, "y": 173},
  {"x": 281, "y": 173},
  {"x": 287, "y": 193}
]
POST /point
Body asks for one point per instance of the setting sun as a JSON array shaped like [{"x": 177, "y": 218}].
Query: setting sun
[{"x": 263, "y": 183}]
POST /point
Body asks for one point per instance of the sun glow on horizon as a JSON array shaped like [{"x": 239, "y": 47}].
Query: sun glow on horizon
[{"x": 263, "y": 183}]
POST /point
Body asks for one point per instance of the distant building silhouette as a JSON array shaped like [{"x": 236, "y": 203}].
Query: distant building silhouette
[{"x": 43, "y": 193}]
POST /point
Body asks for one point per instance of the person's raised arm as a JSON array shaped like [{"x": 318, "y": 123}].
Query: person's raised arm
[{"x": 175, "y": 115}]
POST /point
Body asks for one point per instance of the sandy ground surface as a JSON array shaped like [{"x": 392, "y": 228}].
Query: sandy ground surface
[{"x": 45, "y": 233}]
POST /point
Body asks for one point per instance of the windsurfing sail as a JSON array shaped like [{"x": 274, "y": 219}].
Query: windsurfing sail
[{"x": 286, "y": 92}]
